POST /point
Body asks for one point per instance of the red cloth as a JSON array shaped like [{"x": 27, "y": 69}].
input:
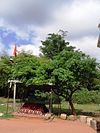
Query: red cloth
[
  {"x": 32, "y": 108},
  {"x": 15, "y": 51}
]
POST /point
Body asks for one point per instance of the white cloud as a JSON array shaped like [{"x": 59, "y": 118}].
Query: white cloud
[
  {"x": 81, "y": 19},
  {"x": 78, "y": 17},
  {"x": 75, "y": 15},
  {"x": 25, "y": 12},
  {"x": 29, "y": 48},
  {"x": 88, "y": 45}
]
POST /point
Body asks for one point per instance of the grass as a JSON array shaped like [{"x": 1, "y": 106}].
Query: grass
[
  {"x": 80, "y": 108},
  {"x": 3, "y": 108},
  {"x": 83, "y": 107},
  {"x": 6, "y": 116},
  {"x": 88, "y": 107}
]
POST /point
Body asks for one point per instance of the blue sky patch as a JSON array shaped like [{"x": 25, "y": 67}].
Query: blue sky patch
[{"x": 8, "y": 37}]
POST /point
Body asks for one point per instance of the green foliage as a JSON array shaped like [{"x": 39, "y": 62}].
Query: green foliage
[
  {"x": 41, "y": 73},
  {"x": 30, "y": 69},
  {"x": 5, "y": 71},
  {"x": 53, "y": 45},
  {"x": 84, "y": 96},
  {"x": 24, "y": 68},
  {"x": 69, "y": 70},
  {"x": 72, "y": 70}
]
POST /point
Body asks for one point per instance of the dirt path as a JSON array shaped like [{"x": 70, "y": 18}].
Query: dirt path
[{"x": 43, "y": 126}]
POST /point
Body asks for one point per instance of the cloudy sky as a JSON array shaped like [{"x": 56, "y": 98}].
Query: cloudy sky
[{"x": 27, "y": 22}]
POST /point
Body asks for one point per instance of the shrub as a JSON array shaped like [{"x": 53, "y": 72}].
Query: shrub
[{"x": 84, "y": 96}]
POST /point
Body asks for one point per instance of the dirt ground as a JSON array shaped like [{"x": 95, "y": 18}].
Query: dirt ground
[{"x": 24, "y": 125}]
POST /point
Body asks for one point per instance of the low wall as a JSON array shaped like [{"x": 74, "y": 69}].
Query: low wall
[{"x": 92, "y": 122}]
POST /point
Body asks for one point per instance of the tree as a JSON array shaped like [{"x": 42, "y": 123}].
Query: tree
[
  {"x": 24, "y": 68},
  {"x": 53, "y": 45},
  {"x": 30, "y": 69},
  {"x": 71, "y": 71},
  {"x": 5, "y": 72},
  {"x": 42, "y": 77}
]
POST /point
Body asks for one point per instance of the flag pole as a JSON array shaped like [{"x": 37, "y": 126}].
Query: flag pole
[{"x": 14, "y": 91}]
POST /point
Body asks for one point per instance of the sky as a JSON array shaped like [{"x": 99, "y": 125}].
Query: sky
[{"x": 27, "y": 22}]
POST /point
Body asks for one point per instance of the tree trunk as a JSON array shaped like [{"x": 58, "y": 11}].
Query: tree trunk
[{"x": 72, "y": 107}]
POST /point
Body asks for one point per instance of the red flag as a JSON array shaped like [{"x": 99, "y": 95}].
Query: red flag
[{"x": 15, "y": 51}]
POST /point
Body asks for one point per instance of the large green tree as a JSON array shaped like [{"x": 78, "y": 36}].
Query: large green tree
[{"x": 71, "y": 71}]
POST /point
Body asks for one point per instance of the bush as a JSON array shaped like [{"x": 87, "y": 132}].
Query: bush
[{"x": 84, "y": 96}]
